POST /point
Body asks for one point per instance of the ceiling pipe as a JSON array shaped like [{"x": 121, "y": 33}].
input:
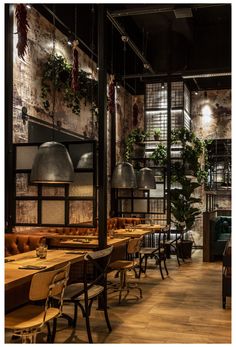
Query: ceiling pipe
[
  {"x": 130, "y": 42},
  {"x": 153, "y": 10}
]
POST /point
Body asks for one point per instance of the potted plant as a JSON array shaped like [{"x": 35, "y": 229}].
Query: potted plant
[
  {"x": 134, "y": 144},
  {"x": 183, "y": 208},
  {"x": 157, "y": 134},
  {"x": 184, "y": 212},
  {"x": 159, "y": 155}
]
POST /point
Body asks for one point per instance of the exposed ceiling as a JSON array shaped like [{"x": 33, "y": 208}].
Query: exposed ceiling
[{"x": 190, "y": 40}]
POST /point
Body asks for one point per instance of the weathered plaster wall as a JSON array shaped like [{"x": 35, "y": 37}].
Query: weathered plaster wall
[
  {"x": 211, "y": 119},
  {"x": 27, "y": 80},
  {"x": 27, "y": 92}
]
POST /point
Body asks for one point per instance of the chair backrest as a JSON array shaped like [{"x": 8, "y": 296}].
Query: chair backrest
[
  {"x": 49, "y": 283},
  {"x": 100, "y": 261},
  {"x": 134, "y": 245}
]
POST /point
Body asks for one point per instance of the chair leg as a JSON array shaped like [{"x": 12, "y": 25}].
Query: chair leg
[
  {"x": 87, "y": 321},
  {"x": 54, "y": 329},
  {"x": 104, "y": 299},
  {"x": 165, "y": 267},
  {"x": 160, "y": 268},
  {"x": 75, "y": 315}
]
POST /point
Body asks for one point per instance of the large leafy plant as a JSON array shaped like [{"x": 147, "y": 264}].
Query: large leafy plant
[
  {"x": 182, "y": 204},
  {"x": 136, "y": 136},
  {"x": 56, "y": 72},
  {"x": 183, "y": 201}
]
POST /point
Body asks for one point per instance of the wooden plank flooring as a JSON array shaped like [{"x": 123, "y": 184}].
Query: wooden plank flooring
[{"x": 186, "y": 307}]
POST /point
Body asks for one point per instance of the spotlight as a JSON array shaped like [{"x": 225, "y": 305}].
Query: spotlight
[
  {"x": 162, "y": 85},
  {"x": 28, "y": 7},
  {"x": 97, "y": 67},
  {"x": 70, "y": 40},
  {"x": 196, "y": 92}
]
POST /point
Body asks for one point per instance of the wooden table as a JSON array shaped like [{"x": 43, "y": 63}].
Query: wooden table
[
  {"x": 92, "y": 244},
  {"x": 15, "y": 276},
  {"x": 137, "y": 230},
  {"x": 150, "y": 227}
]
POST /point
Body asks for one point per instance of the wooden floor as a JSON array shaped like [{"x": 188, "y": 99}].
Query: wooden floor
[{"x": 186, "y": 307}]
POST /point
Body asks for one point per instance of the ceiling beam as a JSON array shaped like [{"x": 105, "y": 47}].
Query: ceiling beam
[
  {"x": 132, "y": 45},
  {"x": 140, "y": 11}
]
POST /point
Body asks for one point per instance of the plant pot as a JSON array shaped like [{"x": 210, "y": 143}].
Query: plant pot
[
  {"x": 185, "y": 249},
  {"x": 156, "y": 137},
  {"x": 138, "y": 150}
]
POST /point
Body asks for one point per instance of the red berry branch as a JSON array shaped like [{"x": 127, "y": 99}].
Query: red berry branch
[
  {"x": 74, "y": 77},
  {"x": 22, "y": 29},
  {"x": 111, "y": 95}
]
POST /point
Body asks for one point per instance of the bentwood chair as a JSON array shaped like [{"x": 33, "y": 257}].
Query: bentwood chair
[
  {"x": 158, "y": 253},
  {"x": 93, "y": 287},
  {"x": 123, "y": 266},
  {"x": 28, "y": 321}
]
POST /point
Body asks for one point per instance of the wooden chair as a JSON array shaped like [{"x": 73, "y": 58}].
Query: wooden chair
[
  {"x": 158, "y": 253},
  {"x": 122, "y": 266},
  {"x": 83, "y": 294},
  {"x": 27, "y": 321}
]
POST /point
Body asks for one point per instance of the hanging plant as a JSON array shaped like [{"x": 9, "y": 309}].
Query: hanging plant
[
  {"x": 22, "y": 29},
  {"x": 63, "y": 84}
]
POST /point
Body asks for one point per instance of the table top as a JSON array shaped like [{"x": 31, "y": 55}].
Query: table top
[
  {"x": 133, "y": 232},
  {"x": 154, "y": 227},
  {"x": 15, "y": 276},
  {"x": 88, "y": 243}
]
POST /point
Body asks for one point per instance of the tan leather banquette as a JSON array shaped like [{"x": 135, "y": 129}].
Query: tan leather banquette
[{"x": 20, "y": 243}]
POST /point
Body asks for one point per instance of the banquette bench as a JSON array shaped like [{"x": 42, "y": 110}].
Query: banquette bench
[
  {"x": 19, "y": 243},
  {"x": 216, "y": 233}
]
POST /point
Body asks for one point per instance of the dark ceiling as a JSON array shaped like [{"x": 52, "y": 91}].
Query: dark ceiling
[{"x": 181, "y": 40}]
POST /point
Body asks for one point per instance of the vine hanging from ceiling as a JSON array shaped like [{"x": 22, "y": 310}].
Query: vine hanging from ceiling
[{"x": 57, "y": 67}]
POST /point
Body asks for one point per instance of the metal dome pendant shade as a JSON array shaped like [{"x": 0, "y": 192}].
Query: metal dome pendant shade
[
  {"x": 52, "y": 164},
  {"x": 124, "y": 176},
  {"x": 86, "y": 161},
  {"x": 146, "y": 179}
]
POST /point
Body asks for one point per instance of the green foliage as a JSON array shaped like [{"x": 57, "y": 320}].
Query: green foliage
[
  {"x": 182, "y": 204},
  {"x": 57, "y": 72},
  {"x": 192, "y": 150},
  {"x": 135, "y": 136},
  {"x": 159, "y": 155},
  {"x": 182, "y": 199}
]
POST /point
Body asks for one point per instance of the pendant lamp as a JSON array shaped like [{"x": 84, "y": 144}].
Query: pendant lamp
[
  {"x": 52, "y": 163},
  {"x": 124, "y": 176},
  {"x": 86, "y": 161},
  {"x": 146, "y": 179}
]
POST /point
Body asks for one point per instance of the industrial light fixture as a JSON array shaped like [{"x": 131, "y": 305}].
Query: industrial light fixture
[
  {"x": 52, "y": 163},
  {"x": 86, "y": 161},
  {"x": 123, "y": 175},
  {"x": 146, "y": 179}
]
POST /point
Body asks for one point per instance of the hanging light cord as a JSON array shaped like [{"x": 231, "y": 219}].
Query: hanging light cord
[{"x": 54, "y": 75}]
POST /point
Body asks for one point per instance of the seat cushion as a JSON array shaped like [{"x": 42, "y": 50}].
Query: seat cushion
[
  {"x": 121, "y": 265},
  {"x": 29, "y": 316},
  {"x": 77, "y": 288}
]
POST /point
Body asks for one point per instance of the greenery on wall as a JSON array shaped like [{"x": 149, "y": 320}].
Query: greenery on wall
[
  {"x": 57, "y": 71},
  {"x": 183, "y": 201}
]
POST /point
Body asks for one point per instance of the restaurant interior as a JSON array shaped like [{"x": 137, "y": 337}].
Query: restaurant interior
[{"x": 118, "y": 173}]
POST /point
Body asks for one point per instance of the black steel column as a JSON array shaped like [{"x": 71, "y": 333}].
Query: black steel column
[
  {"x": 102, "y": 129},
  {"x": 168, "y": 150},
  {"x": 9, "y": 201}
]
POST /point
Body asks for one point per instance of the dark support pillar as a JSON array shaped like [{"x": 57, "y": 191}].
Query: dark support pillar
[
  {"x": 168, "y": 151},
  {"x": 9, "y": 193},
  {"x": 102, "y": 129},
  {"x": 114, "y": 206}
]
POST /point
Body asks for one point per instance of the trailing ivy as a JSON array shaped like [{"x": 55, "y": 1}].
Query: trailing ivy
[{"x": 58, "y": 72}]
